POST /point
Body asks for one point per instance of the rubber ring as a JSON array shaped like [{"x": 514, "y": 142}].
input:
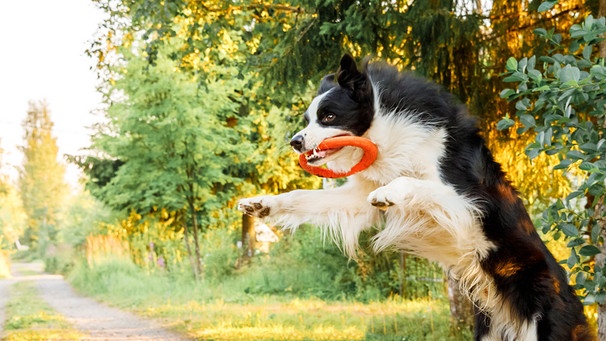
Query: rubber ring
[{"x": 370, "y": 155}]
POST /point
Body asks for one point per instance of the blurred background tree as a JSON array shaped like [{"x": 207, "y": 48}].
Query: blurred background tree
[{"x": 41, "y": 179}]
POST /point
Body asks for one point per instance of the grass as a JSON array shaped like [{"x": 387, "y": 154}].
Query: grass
[
  {"x": 268, "y": 318},
  {"x": 227, "y": 311},
  {"x": 29, "y": 318}
]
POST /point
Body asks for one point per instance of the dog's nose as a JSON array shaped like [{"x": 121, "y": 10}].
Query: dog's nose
[{"x": 297, "y": 143}]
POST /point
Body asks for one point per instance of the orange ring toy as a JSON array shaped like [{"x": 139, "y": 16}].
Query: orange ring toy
[{"x": 370, "y": 155}]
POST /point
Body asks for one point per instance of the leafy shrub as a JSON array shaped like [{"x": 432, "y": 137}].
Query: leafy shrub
[
  {"x": 560, "y": 96},
  {"x": 304, "y": 264},
  {"x": 220, "y": 254}
]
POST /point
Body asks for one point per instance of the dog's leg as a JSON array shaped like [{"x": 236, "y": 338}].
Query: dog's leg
[
  {"x": 429, "y": 218},
  {"x": 343, "y": 210}
]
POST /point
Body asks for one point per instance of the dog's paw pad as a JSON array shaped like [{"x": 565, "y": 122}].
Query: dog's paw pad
[
  {"x": 382, "y": 198},
  {"x": 254, "y": 207},
  {"x": 381, "y": 204}
]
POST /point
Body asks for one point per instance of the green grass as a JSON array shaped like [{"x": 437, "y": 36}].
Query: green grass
[
  {"x": 29, "y": 318},
  {"x": 227, "y": 310}
]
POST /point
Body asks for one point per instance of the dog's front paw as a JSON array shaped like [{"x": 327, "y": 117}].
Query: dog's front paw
[
  {"x": 259, "y": 207},
  {"x": 396, "y": 193},
  {"x": 381, "y": 199}
]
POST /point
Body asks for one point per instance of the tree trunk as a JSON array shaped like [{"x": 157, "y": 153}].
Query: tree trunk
[
  {"x": 402, "y": 273},
  {"x": 599, "y": 263},
  {"x": 190, "y": 254},
  {"x": 195, "y": 232},
  {"x": 602, "y": 13},
  {"x": 248, "y": 236},
  {"x": 461, "y": 308}
]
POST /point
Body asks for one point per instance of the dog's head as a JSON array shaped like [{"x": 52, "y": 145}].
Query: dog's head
[{"x": 344, "y": 106}]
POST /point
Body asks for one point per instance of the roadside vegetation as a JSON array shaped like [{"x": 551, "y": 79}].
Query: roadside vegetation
[
  {"x": 29, "y": 318},
  {"x": 276, "y": 298}
]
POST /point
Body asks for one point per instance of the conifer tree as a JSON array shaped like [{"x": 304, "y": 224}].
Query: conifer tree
[{"x": 41, "y": 178}]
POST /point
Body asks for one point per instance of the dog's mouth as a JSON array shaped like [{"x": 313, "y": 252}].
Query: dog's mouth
[{"x": 316, "y": 156}]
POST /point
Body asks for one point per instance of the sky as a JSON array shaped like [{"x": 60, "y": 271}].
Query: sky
[{"x": 42, "y": 56}]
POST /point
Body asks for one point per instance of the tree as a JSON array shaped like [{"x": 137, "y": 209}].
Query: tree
[
  {"x": 563, "y": 101},
  {"x": 3, "y": 178},
  {"x": 178, "y": 136},
  {"x": 41, "y": 178},
  {"x": 11, "y": 212}
]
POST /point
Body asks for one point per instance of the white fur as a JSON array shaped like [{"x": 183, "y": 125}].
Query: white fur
[{"x": 505, "y": 327}]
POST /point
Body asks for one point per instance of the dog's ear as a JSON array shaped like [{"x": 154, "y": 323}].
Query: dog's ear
[
  {"x": 328, "y": 82},
  {"x": 349, "y": 77}
]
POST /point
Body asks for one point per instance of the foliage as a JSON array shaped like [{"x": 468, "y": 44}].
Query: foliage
[
  {"x": 562, "y": 99},
  {"x": 3, "y": 177},
  {"x": 178, "y": 135},
  {"x": 307, "y": 265},
  {"x": 220, "y": 254},
  {"x": 41, "y": 184},
  {"x": 172, "y": 135},
  {"x": 12, "y": 218}
]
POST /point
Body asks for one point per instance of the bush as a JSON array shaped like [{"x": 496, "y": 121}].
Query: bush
[
  {"x": 306, "y": 265},
  {"x": 220, "y": 254}
]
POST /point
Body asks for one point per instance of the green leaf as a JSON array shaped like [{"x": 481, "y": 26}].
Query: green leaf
[
  {"x": 527, "y": 120},
  {"x": 511, "y": 65},
  {"x": 531, "y": 63},
  {"x": 521, "y": 105},
  {"x": 535, "y": 75},
  {"x": 505, "y": 123},
  {"x": 545, "y": 6},
  {"x": 541, "y": 32},
  {"x": 575, "y": 155},
  {"x": 564, "y": 164},
  {"x": 569, "y": 74},
  {"x": 573, "y": 259},
  {"x": 532, "y": 152},
  {"x": 587, "y": 52},
  {"x": 542, "y": 88},
  {"x": 589, "y": 250},
  {"x": 575, "y": 242},
  {"x": 516, "y": 77},
  {"x": 506, "y": 93},
  {"x": 569, "y": 230},
  {"x": 575, "y": 194},
  {"x": 580, "y": 279},
  {"x": 595, "y": 232}
]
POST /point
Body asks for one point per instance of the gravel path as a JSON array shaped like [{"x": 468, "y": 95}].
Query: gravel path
[{"x": 98, "y": 321}]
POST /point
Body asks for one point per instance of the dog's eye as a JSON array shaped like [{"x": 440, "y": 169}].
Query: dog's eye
[{"x": 328, "y": 118}]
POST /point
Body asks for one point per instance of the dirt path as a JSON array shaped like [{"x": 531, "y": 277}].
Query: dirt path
[{"x": 98, "y": 321}]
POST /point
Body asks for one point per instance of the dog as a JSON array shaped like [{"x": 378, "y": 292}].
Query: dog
[{"x": 434, "y": 191}]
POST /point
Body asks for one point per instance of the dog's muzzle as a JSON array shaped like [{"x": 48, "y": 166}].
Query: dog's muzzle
[{"x": 297, "y": 143}]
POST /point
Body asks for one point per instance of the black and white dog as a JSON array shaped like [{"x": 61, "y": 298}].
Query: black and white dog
[{"x": 435, "y": 191}]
